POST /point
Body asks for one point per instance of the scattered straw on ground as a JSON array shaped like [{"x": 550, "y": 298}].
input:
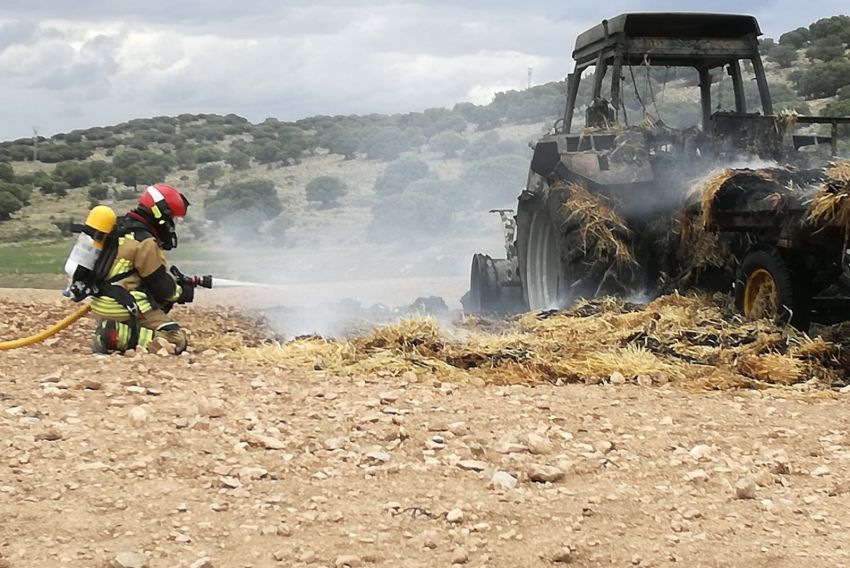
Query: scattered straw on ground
[{"x": 689, "y": 341}]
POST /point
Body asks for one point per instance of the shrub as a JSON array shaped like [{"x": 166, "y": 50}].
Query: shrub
[
  {"x": 75, "y": 174},
  {"x": 259, "y": 197},
  {"x": 796, "y": 38},
  {"x": 421, "y": 210},
  {"x": 237, "y": 159},
  {"x": 826, "y": 49},
  {"x": 209, "y": 174},
  {"x": 399, "y": 174},
  {"x": 325, "y": 191},
  {"x": 493, "y": 182},
  {"x": 13, "y": 197},
  {"x": 98, "y": 192},
  {"x": 783, "y": 55},
  {"x": 823, "y": 79},
  {"x": 836, "y": 27},
  {"x": 8, "y": 205},
  {"x": 448, "y": 143},
  {"x": 387, "y": 144}
]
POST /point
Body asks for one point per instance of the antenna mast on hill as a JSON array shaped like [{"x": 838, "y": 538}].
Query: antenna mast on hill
[
  {"x": 34, "y": 144},
  {"x": 530, "y": 70}
]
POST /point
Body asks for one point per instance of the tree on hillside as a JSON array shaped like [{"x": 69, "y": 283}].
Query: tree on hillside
[
  {"x": 8, "y": 205},
  {"x": 386, "y": 144},
  {"x": 822, "y": 79},
  {"x": 399, "y": 174},
  {"x": 796, "y": 38},
  {"x": 207, "y": 154},
  {"x": 448, "y": 143},
  {"x": 342, "y": 141},
  {"x": 493, "y": 182},
  {"x": 75, "y": 174},
  {"x": 240, "y": 201},
  {"x": 6, "y": 173},
  {"x": 836, "y": 27},
  {"x": 209, "y": 174},
  {"x": 13, "y": 197},
  {"x": 783, "y": 55},
  {"x": 325, "y": 191},
  {"x": 825, "y": 49},
  {"x": 490, "y": 144},
  {"x": 237, "y": 159},
  {"x": 422, "y": 210}
]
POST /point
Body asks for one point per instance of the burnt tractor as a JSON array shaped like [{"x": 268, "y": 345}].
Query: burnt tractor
[{"x": 742, "y": 199}]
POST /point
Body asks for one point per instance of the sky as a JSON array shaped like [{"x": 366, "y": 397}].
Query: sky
[{"x": 69, "y": 64}]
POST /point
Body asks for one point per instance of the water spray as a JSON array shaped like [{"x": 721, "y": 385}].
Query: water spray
[
  {"x": 210, "y": 281},
  {"x": 225, "y": 283}
]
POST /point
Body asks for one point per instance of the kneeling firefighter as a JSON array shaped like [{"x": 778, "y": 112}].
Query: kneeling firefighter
[{"x": 144, "y": 291}]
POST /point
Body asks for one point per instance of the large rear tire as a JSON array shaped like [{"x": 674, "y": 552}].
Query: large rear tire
[
  {"x": 556, "y": 261},
  {"x": 766, "y": 287}
]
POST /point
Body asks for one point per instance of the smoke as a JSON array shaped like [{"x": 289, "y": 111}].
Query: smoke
[{"x": 331, "y": 274}]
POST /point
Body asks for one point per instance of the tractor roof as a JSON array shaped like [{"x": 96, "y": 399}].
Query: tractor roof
[{"x": 673, "y": 37}]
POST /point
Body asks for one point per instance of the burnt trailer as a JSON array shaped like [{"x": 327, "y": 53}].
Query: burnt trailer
[{"x": 609, "y": 204}]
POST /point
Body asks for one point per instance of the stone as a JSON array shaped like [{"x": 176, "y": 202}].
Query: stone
[
  {"x": 378, "y": 457},
  {"x": 700, "y": 452},
  {"x": 539, "y": 445},
  {"x": 745, "y": 488},
  {"x": 138, "y": 416},
  {"x": 91, "y": 384},
  {"x": 130, "y": 560},
  {"x": 763, "y": 478},
  {"x": 334, "y": 444},
  {"x": 564, "y": 555},
  {"x": 205, "y": 562},
  {"x": 697, "y": 475},
  {"x": 267, "y": 442},
  {"x": 502, "y": 480},
  {"x": 617, "y": 378},
  {"x": 49, "y": 435},
  {"x": 455, "y": 516},
  {"x": 211, "y": 407},
  {"x": 460, "y": 555},
  {"x": 409, "y": 377},
  {"x": 472, "y": 465},
  {"x": 820, "y": 471},
  {"x": 347, "y": 561},
  {"x": 544, "y": 473}
]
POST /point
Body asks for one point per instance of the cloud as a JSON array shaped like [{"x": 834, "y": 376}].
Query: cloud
[{"x": 109, "y": 60}]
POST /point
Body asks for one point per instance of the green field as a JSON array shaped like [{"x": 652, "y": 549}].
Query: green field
[{"x": 40, "y": 265}]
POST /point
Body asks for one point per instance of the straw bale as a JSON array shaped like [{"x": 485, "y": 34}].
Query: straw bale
[
  {"x": 604, "y": 234},
  {"x": 830, "y": 206}
]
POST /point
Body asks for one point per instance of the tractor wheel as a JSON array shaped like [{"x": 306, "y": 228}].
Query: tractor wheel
[
  {"x": 555, "y": 262},
  {"x": 766, "y": 287},
  {"x": 493, "y": 288}
]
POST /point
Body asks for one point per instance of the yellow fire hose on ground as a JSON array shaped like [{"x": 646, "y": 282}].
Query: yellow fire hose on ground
[{"x": 52, "y": 330}]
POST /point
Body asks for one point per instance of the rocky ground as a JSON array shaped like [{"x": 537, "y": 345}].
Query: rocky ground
[{"x": 210, "y": 460}]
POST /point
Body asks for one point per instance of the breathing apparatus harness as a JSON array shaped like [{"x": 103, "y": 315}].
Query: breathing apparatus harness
[{"x": 91, "y": 260}]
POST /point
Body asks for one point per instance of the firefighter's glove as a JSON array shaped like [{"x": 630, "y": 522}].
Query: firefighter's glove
[{"x": 187, "y": 293}]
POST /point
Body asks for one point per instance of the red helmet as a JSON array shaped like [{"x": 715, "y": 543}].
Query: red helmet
[
  {"x": 161, "y": 204},
  {"x": 168, "y": 200}
]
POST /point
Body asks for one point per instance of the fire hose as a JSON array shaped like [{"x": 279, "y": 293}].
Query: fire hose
[
  {"x": 52, "y": 330},
  {"x": 198, "y": 281}
]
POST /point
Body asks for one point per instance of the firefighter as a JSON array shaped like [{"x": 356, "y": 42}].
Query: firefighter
[{"x": 136, "y": 309}]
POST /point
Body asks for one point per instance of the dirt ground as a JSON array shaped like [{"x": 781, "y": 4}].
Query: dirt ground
[{"x": 209, "y": 460}]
